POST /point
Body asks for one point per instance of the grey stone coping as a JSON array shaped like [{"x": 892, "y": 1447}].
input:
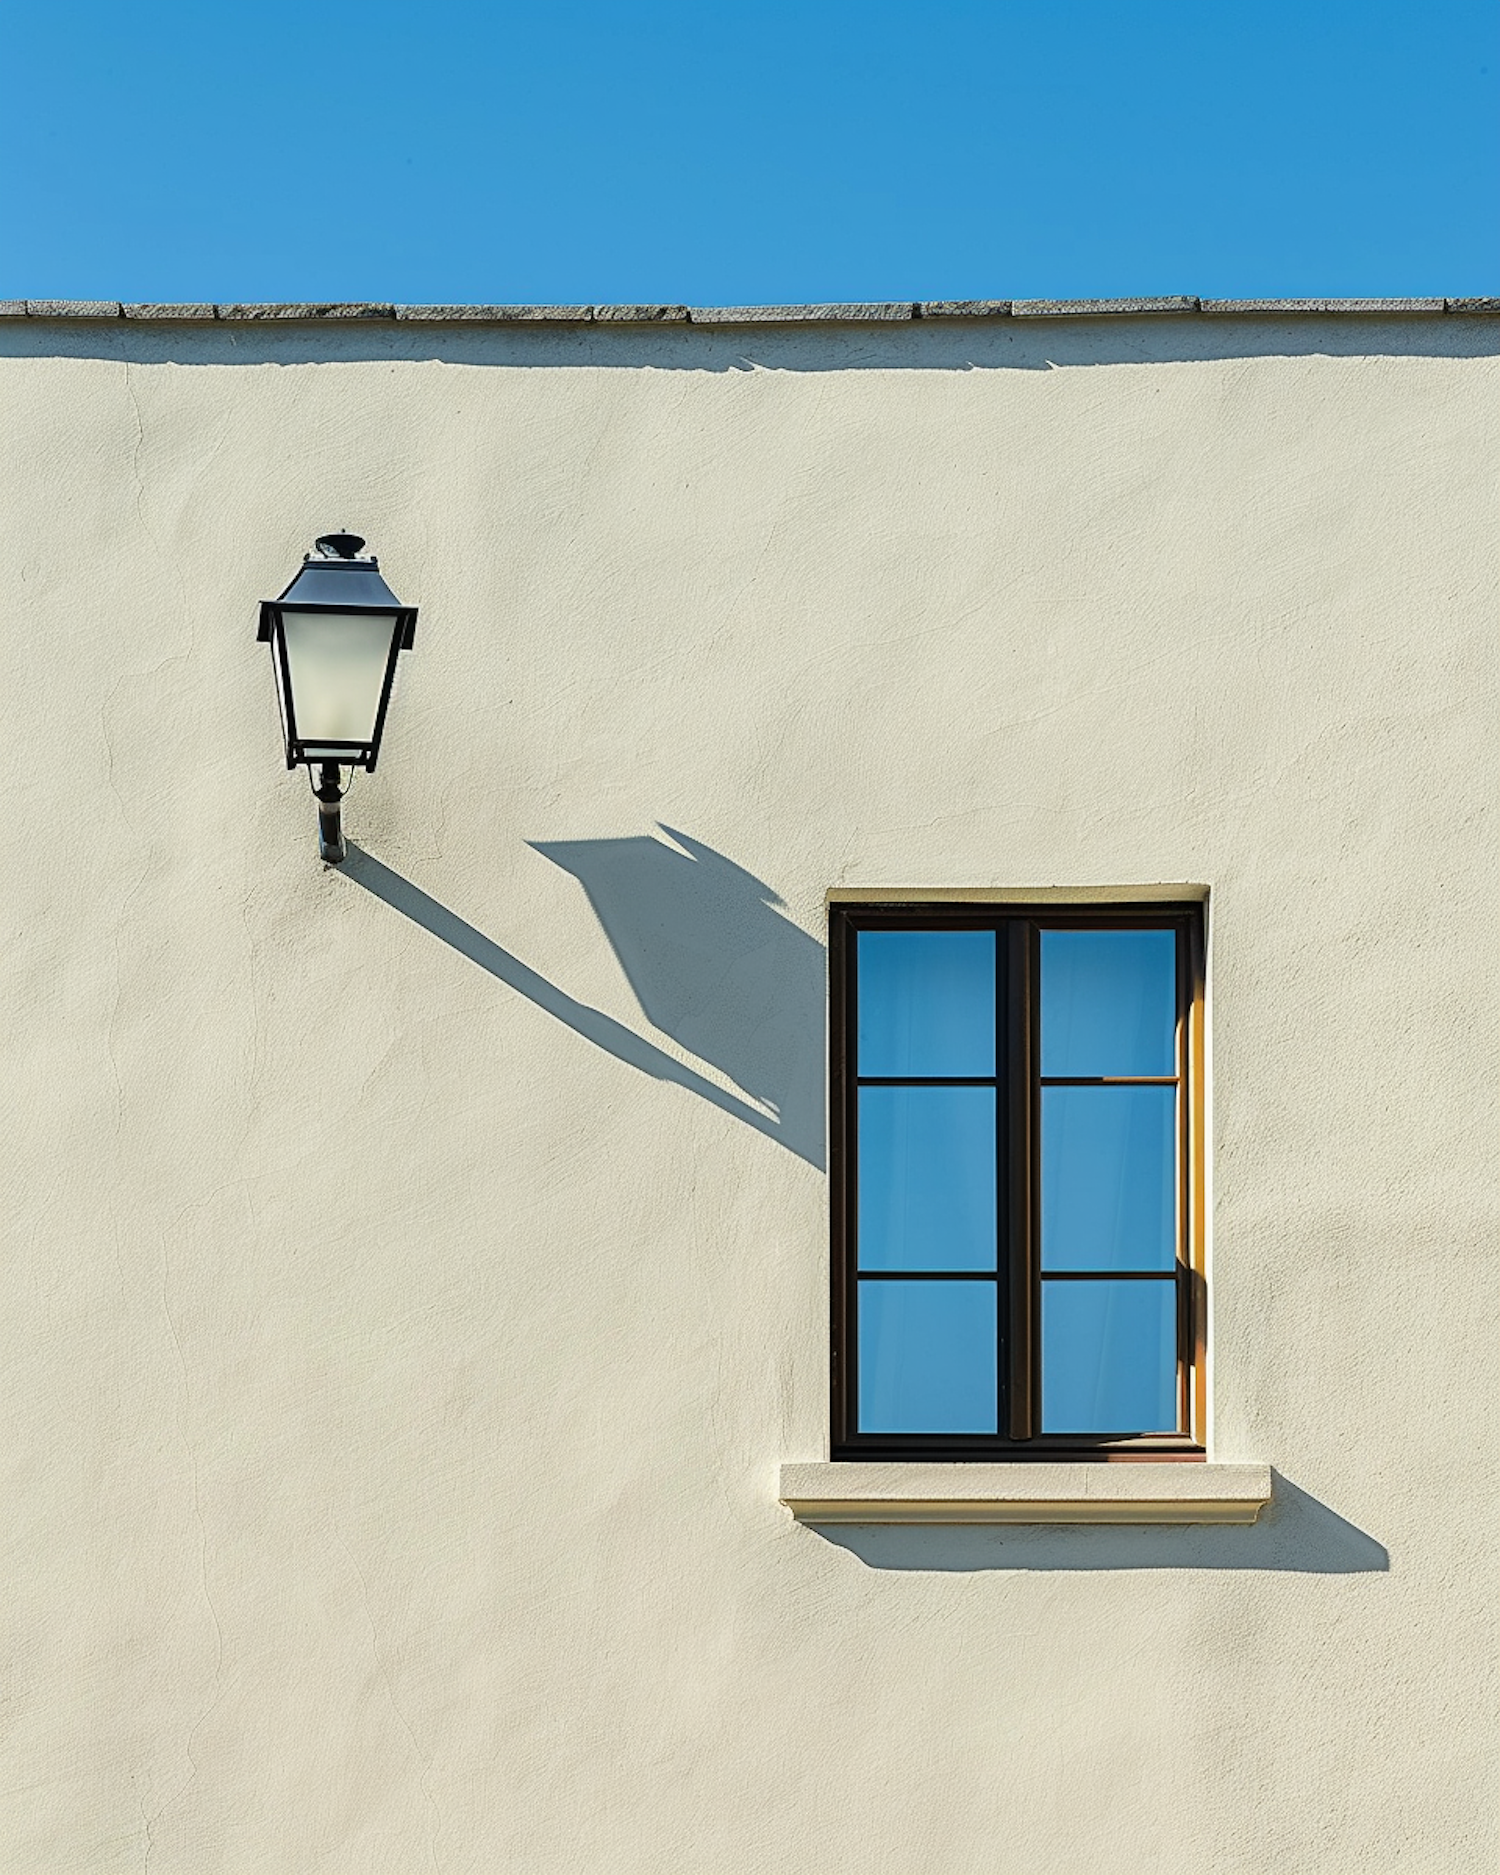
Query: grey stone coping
[
  {"x": 640, "y": 315},
  {"x": 353, "y": 310},
  {"x": 1285, "y": 306},
  {"x": 1091, "y": 308},
  {"x": 71, "y": 308},
  {"x": 198, "y": 309},
  {"x": 497, "y": 315},
  {"x": 851, "y": 313},
  {"x": 963, "y": 309}
]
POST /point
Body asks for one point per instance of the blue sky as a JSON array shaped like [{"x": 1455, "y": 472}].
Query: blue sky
[{"x": 720, "y": 153}]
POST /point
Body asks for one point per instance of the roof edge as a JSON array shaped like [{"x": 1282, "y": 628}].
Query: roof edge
[{"x": 841, "y": 313}]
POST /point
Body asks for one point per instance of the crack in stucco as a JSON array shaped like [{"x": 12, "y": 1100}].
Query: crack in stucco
[
  {"x": 213, "y": 1614},
  {"x": 168, "y": 559},
  {"x": 112, "y": 1027},
  {"x": 148, "y": 1826},
  {"x": 421, "y": 1757},
  {"x": 109, "y": 749},
  {"x": 135, "y": 453}
]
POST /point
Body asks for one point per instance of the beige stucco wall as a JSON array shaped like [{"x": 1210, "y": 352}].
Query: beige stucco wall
[{"x": 415, "y": 1275}]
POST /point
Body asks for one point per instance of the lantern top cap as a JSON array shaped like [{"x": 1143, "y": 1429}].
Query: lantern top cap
[
  {"x": 334, "y": 577},
  {"x": 338, "y": 547}
]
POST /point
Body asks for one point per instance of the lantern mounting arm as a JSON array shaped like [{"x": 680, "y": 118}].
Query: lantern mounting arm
[{"x": 330, "y": 798}]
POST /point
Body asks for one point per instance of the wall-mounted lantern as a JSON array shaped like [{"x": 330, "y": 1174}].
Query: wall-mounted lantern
[{"x": 335, "y": 635}]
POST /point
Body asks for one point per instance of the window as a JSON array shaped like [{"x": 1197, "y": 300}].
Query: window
[{"x": 1017, "y": 1190}]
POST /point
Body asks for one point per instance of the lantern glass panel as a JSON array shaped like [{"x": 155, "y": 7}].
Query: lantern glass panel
[{"x": 337, "y": 662}]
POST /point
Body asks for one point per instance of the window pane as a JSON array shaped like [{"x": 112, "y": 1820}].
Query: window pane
[
  {"x": 927, "y": 1355},
  {"x": 926, "y": 1002},
  {"x": 1109, "y": 1356},
  {"x": 1109, "y": 1002},
  {"x": 927, "y": 1178},
  {"x": 1109, "y": 1166}
]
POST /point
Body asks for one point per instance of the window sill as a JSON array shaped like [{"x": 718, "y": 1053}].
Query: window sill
[{"x": 1138, "y": 1492}]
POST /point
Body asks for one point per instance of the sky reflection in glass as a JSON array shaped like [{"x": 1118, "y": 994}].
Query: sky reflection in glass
[
  {"x": 926, "y": 1003},
  {"x": 927, "y": 1357},
  {"x": 1109, "y": 1162},
  {"x": 1109, "y": 1002},
  {"x": 927, "y": 1178},
  {"x": 1109, "y": 1356}
]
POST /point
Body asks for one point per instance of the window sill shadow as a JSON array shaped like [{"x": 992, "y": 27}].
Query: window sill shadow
[{"x": 1295, "y": 1533}]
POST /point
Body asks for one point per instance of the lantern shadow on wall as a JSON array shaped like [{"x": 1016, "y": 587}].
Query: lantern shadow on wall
[{"x": 712, "y": 963}]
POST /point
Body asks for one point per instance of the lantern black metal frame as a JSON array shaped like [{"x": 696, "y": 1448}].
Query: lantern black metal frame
[{"x": 334, "y": 579}]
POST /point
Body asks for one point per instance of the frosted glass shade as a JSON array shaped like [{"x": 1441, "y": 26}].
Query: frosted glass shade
[{"x": 336, "y": 664}]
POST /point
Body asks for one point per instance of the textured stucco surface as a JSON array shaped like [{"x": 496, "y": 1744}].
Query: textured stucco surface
[{"x": 416, "y": 1275}]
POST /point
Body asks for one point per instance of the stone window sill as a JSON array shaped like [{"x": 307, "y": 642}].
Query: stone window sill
[{"x": 1138, "y": 1492}]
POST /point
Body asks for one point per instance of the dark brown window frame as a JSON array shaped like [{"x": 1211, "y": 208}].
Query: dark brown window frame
[{"x": 1018, "y": 930}]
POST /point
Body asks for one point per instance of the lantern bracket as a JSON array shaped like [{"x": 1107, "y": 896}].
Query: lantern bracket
[{"x": 330, "y": 798}]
